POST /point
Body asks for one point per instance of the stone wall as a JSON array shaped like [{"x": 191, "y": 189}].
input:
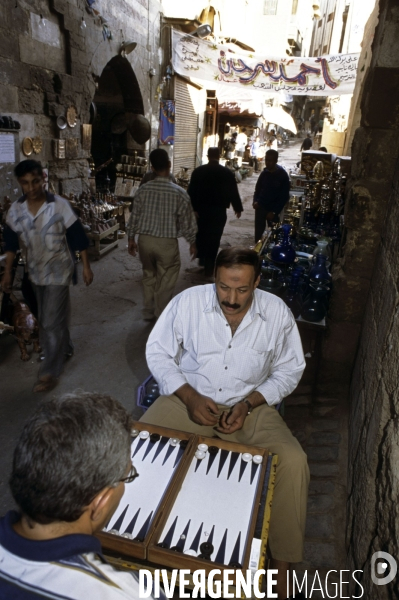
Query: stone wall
[
  {"x": 44, "y": 68},
  {"x": 374, "y": 152},
  {"x": 367, "y": 299}
]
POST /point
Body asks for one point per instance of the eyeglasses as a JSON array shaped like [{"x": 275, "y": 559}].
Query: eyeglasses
[{"x": 131, "y": 477}]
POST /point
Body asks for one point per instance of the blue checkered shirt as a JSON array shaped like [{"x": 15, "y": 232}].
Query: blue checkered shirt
[{"x": 162, "y": 209}]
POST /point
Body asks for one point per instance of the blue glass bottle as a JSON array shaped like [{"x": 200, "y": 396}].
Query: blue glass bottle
[
  {"x": 314, "y": 308},
  {"x": 292, "y": 295},
  {"x": 284, "y": 252},
  {"x": 319, "y": 271}
]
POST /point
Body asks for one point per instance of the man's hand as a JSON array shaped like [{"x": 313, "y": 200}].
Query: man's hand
[
  {"x": 238, "y": 215},
  {"x": 6, "y": 282},
  {"x": 132, "y": 248},
  {"x": 255, "y": 205},
  {"x": 202, "y": 410},
  {"x": 87, "y": 275},
  {"x": 233, "y": 420},
  {"x": 193, "y": 251},
  {"x": 270, "y": 216}
]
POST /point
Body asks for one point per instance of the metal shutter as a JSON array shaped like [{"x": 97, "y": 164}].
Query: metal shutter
[{"x": 186, "y": 125}]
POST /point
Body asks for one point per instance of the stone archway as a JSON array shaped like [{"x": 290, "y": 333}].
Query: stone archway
[{"x": 118, "y": 93}]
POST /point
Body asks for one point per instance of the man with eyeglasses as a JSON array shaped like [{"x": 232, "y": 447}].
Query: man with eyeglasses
[{"x": 69, "y": 469}]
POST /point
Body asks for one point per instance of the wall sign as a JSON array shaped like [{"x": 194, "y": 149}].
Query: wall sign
[{"x": 7, "y": 148}]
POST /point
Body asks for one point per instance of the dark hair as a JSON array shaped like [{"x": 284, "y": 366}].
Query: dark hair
[
  {"x": 69, "y": 450},
  {"x": 323, "y": 149},
  {"x": 213, "y": 153},
  {"x": 273, "y": 153},
  {"x": 232, "y": 257},
  {"x": 159, "y": 159},
  {"x": 28, "y": 166}
]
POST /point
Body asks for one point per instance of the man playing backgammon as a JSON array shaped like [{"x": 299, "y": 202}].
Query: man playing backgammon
[
  {"x": 224, "y": 356},
  {"x": 69, "y": 472}
]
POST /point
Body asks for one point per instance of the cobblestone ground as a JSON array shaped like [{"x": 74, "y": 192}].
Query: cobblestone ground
[{"x": 110, "y": 337}]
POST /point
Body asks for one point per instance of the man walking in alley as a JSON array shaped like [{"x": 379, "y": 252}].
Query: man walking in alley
[
  {"x": 47, "y": 228},
  {"x": 271, "y": 193},
  {"x": 161, "y": 212},
  {"x": 212, "y": 189},
  {"x": 307, "y": 143},
  {"x": 253, "y": 153}
]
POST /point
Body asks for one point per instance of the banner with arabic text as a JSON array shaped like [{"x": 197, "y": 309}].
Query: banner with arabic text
[{"x": 314, "y": 76}]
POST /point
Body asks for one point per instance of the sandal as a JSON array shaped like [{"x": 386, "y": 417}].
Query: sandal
[{"x": 45, "y": 384}]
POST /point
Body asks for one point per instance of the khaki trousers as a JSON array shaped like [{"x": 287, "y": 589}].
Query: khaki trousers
[
  {"x": 265, "y": 428},
  {"x": 161, "y": 265}
]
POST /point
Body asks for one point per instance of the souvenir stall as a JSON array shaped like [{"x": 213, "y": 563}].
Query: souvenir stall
[{"x": 297, "y": 255}]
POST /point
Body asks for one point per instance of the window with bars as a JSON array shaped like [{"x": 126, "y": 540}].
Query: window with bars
[
  {"x": 294, "y": 7},
  {"x": 270, "y": 7}
]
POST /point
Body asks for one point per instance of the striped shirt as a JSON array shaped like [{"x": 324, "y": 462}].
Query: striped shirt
[
  {"x": 162, "y": 209},
  {"x": 66, "y": 568}
]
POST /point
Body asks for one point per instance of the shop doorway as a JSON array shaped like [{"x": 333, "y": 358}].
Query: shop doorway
[{"x": 117, "y": 100}]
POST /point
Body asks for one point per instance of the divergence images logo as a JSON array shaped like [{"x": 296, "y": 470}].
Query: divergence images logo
[{"x": 380, "y": 562}]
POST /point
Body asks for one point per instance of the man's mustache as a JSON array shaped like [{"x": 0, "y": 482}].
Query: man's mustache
[{"x": 231, "y": 305}]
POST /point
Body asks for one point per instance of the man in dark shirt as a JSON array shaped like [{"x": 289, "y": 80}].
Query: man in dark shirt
[
  {"x": 271, "y": 193},
  {"x": 307, "y": 143},
  {"x": 212, "y": 189}
]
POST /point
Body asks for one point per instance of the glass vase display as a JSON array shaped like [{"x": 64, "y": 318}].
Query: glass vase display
[
  {"x": 314, "y": 308},
  {"x": 284, "y": 252},
  {"x": 319, "y": 271}
]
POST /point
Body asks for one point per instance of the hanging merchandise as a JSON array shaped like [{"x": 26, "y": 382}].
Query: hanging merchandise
[{"x": 167, "y": 122}]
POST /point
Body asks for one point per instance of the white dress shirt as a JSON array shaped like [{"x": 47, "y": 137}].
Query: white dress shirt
[{"x": 192, "y": 343}]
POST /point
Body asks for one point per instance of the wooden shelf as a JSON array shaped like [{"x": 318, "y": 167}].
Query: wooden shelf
[{"x": 102, "y": 248}]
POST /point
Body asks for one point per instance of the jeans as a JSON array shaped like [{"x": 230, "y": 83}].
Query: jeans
[{"x": 53, "y": 315}]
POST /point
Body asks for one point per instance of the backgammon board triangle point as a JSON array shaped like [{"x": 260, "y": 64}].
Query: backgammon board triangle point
[
  {"x": 130, "y": 527},
  {"x": 210, "y": 462},
  {"x": 178, "y": 457},
  {"x": 182, "y": 539},
  {"x": 162, "y": 443},
  {"x": 139, "y": 445},
  {"x": 210, "y": 537},
  {"x": 167, "y": 541},
  {"x": 222, "y": 550},
  {"x": 223, "y": 457},
  {"x": 169, "y": 452},
  {"x": 196, "y": 541},
  {"x": 143, "y": 531},
  {"x": 151, "y": 446},
  {"x": 243, "y": 466},
  {"x": 199, "y": 461},
  {"x": 254, "y": 469},
  {"x": 235, "y": 557},
  {"x": 234, "y": 457},
  {"x": 118, "y": 523}
]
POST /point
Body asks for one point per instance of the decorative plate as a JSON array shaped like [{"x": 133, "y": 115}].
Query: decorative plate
[
  {"x": 27, "y": 146},
  {"x": 61, "y": 122},
  {"x": 37, "y": 144},
  {"x": 71, "y": 116}
]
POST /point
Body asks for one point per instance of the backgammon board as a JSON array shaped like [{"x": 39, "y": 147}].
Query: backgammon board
[{"x": 198, "y": 503}]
